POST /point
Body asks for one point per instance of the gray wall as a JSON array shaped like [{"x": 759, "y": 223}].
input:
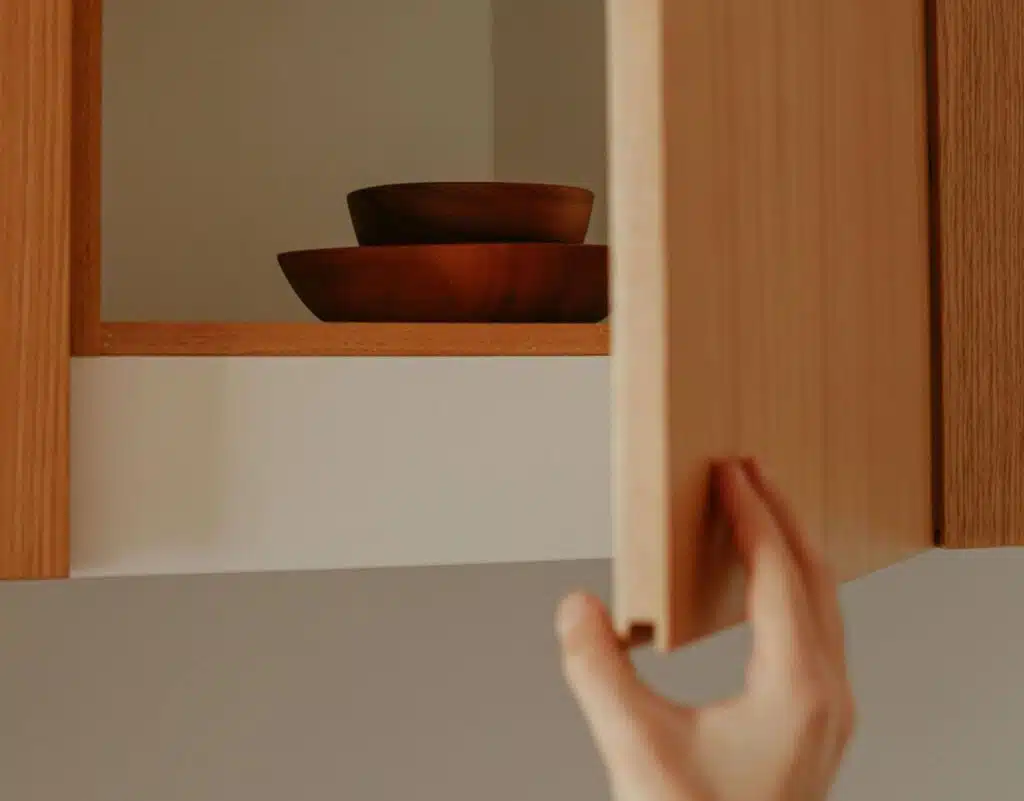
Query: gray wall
[{"x": 443, "y": 684}]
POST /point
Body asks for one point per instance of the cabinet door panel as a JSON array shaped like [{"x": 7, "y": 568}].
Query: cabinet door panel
[{"x": 770, "y": 227}]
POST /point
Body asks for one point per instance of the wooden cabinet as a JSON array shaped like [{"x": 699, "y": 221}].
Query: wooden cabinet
[
  {"x": 815, "y": 225},
  {"x": 194, "y": 142}
]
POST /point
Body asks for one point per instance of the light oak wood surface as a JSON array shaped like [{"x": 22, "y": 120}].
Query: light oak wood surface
[
  {"x": 34, "y": 272},
  {"x": 351, "y": 339},
  {"x": 979, "y": 118},
  {"x": 769, "y": 184}
]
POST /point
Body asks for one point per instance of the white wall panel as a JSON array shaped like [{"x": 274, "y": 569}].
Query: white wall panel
[{"x": 234, "y": 464}]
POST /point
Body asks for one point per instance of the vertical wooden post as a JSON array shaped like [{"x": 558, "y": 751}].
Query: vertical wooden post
[
  {"x": 978, "y": 139},
  {"x": 35, "y": 157},
  {"x": 86, "y": 144}
]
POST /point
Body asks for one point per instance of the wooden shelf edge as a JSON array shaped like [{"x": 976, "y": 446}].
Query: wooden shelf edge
[{"x": 351, "y": 339}]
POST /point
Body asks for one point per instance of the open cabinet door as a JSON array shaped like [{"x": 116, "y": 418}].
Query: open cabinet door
[
  {"x": 771, "y": 286},
  {"x": 35, "y": 158}
]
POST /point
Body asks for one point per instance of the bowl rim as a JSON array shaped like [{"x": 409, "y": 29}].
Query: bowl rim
[
  {"x": 591, "y": 246},
  {"x": 564, "y": 189}
]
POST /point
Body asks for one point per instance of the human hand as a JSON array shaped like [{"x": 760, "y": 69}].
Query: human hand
[{"x": 783, "y": 738}]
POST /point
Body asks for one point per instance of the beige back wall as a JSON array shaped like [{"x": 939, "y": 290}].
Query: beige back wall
[
  {"x": 550, "y": 97},
  {"x": 233, "y": 130},
  {"x": 443, "y": 685}
]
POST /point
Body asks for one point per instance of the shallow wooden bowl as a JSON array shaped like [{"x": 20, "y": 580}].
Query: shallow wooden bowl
[
  {"x": 506, "y": 283},
  {"x": 470, "y": 213}
]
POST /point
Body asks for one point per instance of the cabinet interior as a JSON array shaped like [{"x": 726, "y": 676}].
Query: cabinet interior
[{"x": 211, "y": 137}]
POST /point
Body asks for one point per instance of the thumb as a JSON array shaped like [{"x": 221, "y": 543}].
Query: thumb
[{"x": 599, "y": 672}]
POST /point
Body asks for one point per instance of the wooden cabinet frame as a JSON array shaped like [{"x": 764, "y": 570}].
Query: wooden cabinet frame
[
  {"x": 978, "y": 218},
  {"x": 35, "y": 273},
  {"x": 974, "y": 72}
]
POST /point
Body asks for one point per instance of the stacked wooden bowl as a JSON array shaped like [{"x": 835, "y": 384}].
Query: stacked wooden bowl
[{"x": 459, "y": 252}]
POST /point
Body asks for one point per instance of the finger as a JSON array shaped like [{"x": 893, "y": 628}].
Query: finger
[
  {"x": 600, "y": 673},
  {"x": 777, "y": 600},
  {"x": 810, "y": 560},
  {"x": 805, "y": 552}
]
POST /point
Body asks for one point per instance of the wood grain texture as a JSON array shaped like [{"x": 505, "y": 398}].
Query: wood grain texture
[
  {"x": 771, "y": 279},
  {"x": 979, "y": 82},
  {"x": 352, "y": 339},
  {"x": 35, "y": 72},
  {"x": 86, "y": 153}
]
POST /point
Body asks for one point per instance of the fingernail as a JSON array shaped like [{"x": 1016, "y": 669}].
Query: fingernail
[{"x": 733, "y": 467}]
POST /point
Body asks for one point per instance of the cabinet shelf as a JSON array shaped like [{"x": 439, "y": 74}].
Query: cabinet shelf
[{"x": 351, "y": 339}]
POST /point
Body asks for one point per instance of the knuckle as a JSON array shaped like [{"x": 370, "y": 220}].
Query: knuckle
[
  {"x": 824, "y": 709},
  {"x": 826, "y": 574},
  {"x": 636, "y": 743},
  {"x": 812, "y": 706}
]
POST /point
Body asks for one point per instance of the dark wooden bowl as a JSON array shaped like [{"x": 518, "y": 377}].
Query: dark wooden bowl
[
  {"x": 510, "y": 283},
  {"x": 470, "y": 213}
]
